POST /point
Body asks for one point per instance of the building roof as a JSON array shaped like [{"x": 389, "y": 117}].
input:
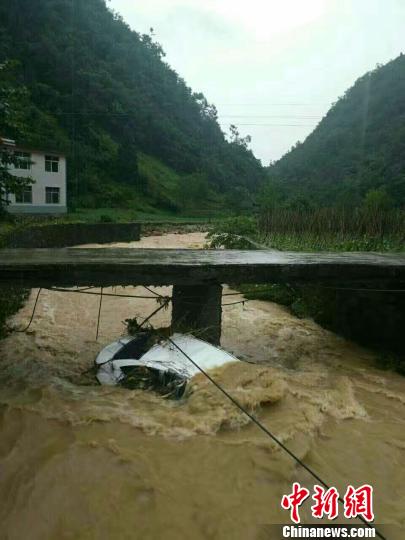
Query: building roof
[
  {"x": 7, "y": 142},
  {"x": 26, "y": 148},
  {"x": 40, "y": 151}
]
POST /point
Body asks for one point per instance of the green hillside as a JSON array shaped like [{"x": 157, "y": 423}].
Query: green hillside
[
  {"x": 132, "y": 129},
  {"x": 356, "y": 152}
]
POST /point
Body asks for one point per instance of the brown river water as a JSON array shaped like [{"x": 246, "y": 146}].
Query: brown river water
[{"x": 81, "y": 461}]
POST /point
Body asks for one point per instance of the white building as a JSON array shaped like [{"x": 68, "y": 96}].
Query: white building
[{"x": 47, "y": 195}]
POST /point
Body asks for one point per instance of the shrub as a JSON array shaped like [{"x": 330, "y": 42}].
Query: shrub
[
  {"x": 105, "y": 218},
  {"x": 233, "y": 233}
]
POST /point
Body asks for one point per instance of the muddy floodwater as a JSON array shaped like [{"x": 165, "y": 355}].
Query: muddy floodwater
[{"x": 81, "y": 461}]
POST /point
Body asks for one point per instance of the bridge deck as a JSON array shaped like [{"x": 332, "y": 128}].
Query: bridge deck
[{"x": 111, "y": 266}]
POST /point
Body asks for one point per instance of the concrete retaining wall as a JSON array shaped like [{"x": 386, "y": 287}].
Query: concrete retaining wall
[
  {"x": 73, "y": 234},
  {"x": 42, "y": 210},
  {"x": 372, "y": 318}
]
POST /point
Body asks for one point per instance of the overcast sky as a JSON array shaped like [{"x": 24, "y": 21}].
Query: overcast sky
[{"x": 272, "y": 67}]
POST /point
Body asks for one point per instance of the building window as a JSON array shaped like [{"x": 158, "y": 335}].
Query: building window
[
  {"x": 23, "y": 160},
  {"x": 51, "y": 164},
  {"x": 52, "y": 195},
  {"x": 25, "y": 196}
]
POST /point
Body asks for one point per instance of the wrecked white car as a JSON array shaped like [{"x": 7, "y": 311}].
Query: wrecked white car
[{"x": 146, "y": 362}]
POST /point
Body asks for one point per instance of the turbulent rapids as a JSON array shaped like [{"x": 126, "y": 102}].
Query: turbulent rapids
[{"x": 85, "y": 461}]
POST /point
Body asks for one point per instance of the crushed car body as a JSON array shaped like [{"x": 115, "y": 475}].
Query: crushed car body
[{"x": 146, "y": 362}]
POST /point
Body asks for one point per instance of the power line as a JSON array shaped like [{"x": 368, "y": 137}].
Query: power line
[
  {"x": 274, "y": 104},
  {"x": 128, "y": 114},
  {"x": 99, "y": 313},
  {"x": 274, "y": 125},
  {"x": 152, "y": 291},
  {"x": 118, "y": 115},
  {"x": 265, "y": 430},
  {"x": 162, "y": 306},
  {"x": 32, "y": 316},
  {"x": 83, "y": 291},
  {"x": 295, "y": 117}
]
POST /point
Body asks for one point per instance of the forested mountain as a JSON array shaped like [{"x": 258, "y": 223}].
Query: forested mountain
[
  {"x": 357, "y": 149},
  {"x": 130, "y": 125}
]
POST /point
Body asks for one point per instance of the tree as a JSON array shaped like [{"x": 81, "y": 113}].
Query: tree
[
  {"x": 270, "y": 196},
  {"x": 237, "y": 139},
  {"x": 121, "y": 100},
  {"x": 13, "y": 100},
  {"x": 208, "y": 110},
  {"x": 11, "y": 124},
  {"x": 193, "y": 191},
  {"x": 240, "y": 200},
  {"x": 377, "y": 200},
  {"x": 10, "y": 183},
  {"x": 357, "y": 148}
]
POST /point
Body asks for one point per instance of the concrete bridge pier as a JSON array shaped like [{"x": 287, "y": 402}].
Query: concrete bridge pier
[{"x": 197, "y": 308}]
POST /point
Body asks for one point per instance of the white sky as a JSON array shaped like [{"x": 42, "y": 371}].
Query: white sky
[{"x": 277, "y": 63}]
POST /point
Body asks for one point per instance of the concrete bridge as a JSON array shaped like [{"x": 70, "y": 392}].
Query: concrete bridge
[{"x": 197, "y": 275}]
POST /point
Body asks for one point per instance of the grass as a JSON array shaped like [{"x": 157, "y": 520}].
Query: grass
[
  {"x": 125, "y": 215},
  {"x": 323, "y": 230},
  {"x": 95, "y": 215},
  {"x": 158, "y": 175},
  {"x": 167, "y": 190},
  {"x": 115, "y": 215},
  {"x": 329, "y": 242},
  {"x": 333, "y": 230}
]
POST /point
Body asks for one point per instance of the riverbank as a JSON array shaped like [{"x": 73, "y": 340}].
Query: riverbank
[
  {"x": 16, "y": 229},
  {"x": 83, "y": 461},
  {"x": 373, "y": 318}
]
